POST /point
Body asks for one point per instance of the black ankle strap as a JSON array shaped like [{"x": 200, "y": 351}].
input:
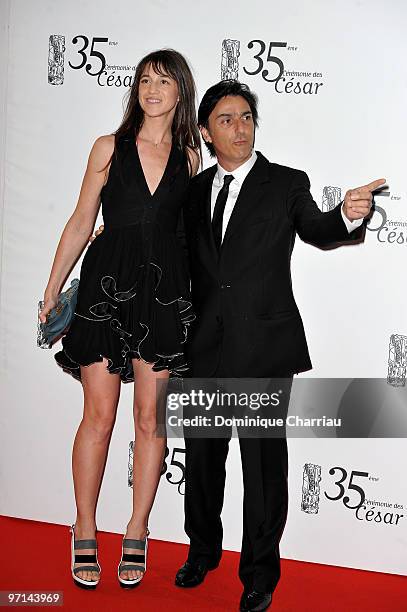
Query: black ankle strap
[
  {"x": 85, "y": 559},
  {"x": 133, "y": 558}
]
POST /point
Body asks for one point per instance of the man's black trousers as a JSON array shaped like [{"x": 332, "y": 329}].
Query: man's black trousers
[{"x": 265, "y": 482}]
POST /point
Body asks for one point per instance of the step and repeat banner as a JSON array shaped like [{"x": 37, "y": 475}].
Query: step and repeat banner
[{"x": 332, "y": 102}]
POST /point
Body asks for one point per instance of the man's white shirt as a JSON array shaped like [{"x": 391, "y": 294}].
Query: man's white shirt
[{"x": 239, "y": 175}]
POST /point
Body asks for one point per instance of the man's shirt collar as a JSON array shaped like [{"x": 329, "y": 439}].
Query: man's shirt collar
[{"x": 239, "y": 174}]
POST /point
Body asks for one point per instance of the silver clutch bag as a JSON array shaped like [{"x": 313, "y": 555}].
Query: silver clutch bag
[{"x": 59, "y": 318}]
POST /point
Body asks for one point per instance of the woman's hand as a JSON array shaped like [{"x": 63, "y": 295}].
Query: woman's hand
[{"x": 49, "y": 303}]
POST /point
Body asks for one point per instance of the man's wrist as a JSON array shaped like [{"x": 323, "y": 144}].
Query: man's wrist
[{"x": 350, "y": 225}]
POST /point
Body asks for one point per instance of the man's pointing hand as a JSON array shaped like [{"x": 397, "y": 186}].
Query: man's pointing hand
[{"x": 358, "y": 201}]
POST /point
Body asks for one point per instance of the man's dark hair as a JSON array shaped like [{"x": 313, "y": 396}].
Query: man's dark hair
[{"x": 219, "y": 91}]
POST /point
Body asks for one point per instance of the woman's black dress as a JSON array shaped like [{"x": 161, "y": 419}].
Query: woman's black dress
[{"x": 134, "y": 298}]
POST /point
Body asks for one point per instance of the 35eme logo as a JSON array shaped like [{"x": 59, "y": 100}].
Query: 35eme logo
[
  {"x": 380, "y": 512},
  {"x": 91, "y": 59},
  {"x": 265, "y": 62}
]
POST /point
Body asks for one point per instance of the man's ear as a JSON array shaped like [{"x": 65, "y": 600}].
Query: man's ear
[{"x": 205, "y": 134}]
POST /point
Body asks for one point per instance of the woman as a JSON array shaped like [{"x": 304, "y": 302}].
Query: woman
[{"x": 133, "y": 307}]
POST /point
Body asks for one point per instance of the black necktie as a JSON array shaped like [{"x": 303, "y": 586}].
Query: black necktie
[{"x": 220, "y": 204}]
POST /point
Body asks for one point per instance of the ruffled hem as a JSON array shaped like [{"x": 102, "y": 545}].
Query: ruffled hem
[
  {"x": 164, "y": 362},
  {"x": 175, "y": 363}
]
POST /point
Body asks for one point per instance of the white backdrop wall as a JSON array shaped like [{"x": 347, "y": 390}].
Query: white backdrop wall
[{"x": 343, "y": 122}]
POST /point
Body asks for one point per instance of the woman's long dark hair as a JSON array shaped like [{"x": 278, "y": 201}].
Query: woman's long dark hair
[{"x": 185, "y": 131}]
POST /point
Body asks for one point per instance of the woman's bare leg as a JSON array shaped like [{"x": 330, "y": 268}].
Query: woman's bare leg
[
  {"x": 148, "y": 454},
  {"x": 101, "y": 395}
]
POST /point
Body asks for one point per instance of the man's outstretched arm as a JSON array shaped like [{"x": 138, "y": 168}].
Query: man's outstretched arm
[{"x": 340, "y": 224}]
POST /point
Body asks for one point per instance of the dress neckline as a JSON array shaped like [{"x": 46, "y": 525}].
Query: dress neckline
[{"x": 164, "y": 174}]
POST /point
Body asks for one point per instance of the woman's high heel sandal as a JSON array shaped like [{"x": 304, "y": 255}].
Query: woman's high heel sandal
[
  {"x": 138, "y": 561},
  {"x": 78, "y": 558}
]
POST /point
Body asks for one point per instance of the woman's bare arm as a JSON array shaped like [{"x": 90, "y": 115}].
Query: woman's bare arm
[{"x": 80, "y": 225}]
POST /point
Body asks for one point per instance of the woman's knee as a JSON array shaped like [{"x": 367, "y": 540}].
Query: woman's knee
[
  {"x": 145, "y": 419},
  {"x": 99, "y": 420}
]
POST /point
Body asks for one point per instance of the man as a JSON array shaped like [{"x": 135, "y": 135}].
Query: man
[{"x": 241, "y": 220}]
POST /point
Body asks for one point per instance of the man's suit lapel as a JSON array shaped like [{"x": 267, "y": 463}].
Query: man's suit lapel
[
  {"x": 252, "y": 187},
  {"x": 208, "y": 219},
  {"x": 205, "y": 214}
]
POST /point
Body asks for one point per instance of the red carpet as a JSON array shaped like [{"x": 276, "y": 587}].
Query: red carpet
[{"x": 36, "y": 556}]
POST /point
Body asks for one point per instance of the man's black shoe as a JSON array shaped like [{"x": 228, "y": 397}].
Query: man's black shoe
[
  {"x": 192, "y": 574},
  {"x": 254, "y": 601}
]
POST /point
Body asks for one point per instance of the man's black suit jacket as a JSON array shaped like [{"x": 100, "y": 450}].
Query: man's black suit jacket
[{"x": 247, "y": 320}]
